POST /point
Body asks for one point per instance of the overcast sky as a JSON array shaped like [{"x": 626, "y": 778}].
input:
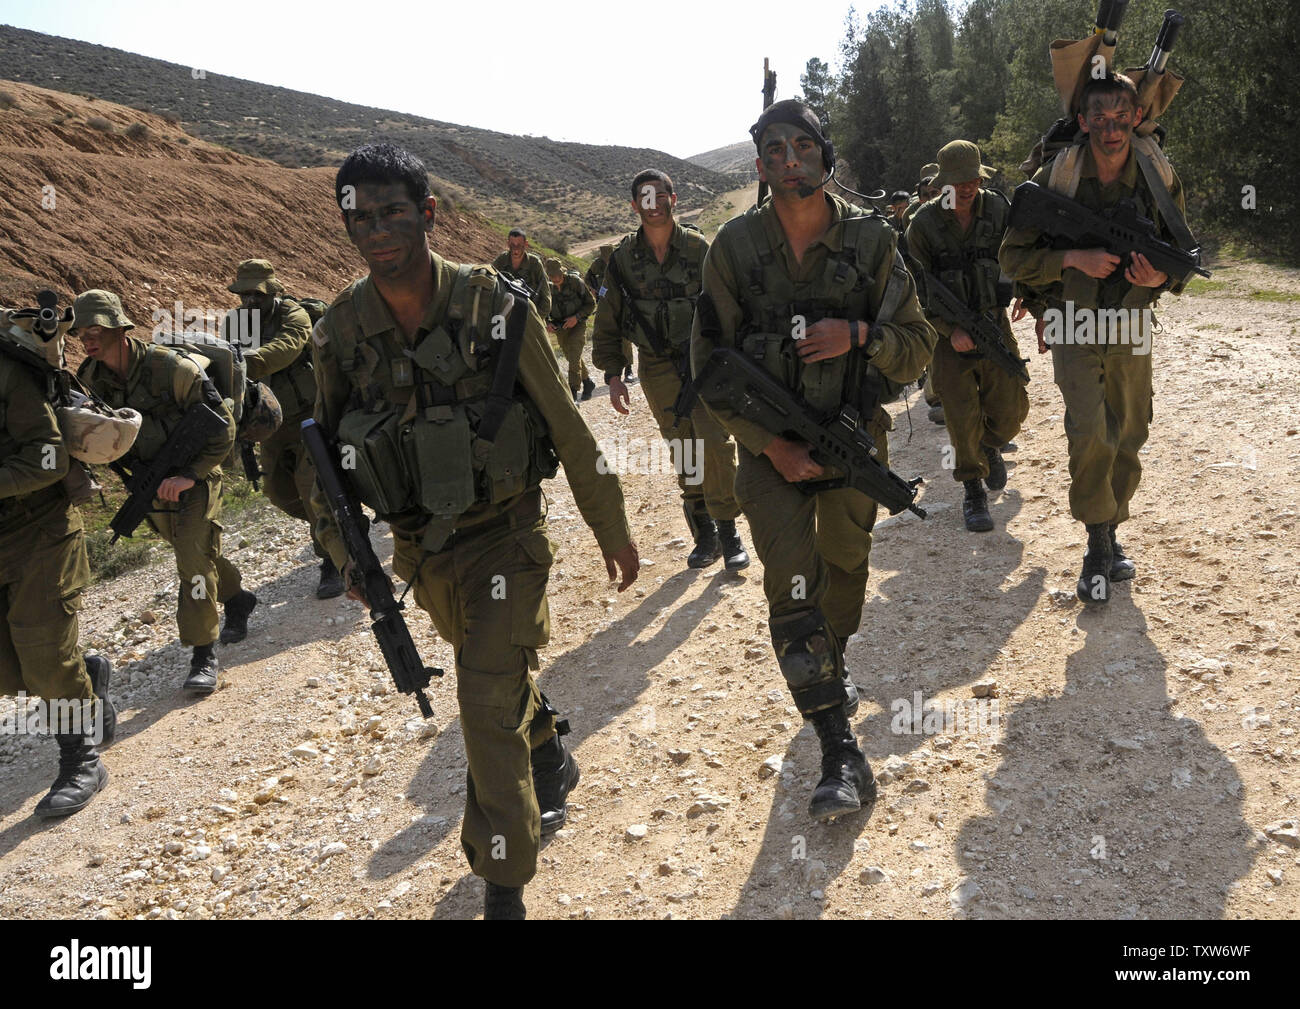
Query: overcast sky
[{"x": 679, "y": 77}]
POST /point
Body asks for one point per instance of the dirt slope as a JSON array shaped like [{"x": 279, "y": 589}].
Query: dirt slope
[{"x": 1138, "y": 757}]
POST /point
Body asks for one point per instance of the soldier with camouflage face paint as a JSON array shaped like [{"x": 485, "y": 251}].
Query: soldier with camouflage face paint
[{"x": 571, "y": 304}]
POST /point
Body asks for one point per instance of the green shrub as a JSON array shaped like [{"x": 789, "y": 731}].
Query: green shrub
[
  {"x": 110, "y": 561},
  {"x": 139, "y": 131},
  {"x": 99, "y": 123}
]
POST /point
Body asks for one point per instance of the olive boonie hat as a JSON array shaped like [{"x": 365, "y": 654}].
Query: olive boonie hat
[
  {"x": 553, "y": 266},
  {"x": 928, "y": 172},
  {"x": 255, "y": 276},
  {"x": 606, "y": 251},
  {"x": 959, "y": 161},
  {"x": 99, "y": 308}
]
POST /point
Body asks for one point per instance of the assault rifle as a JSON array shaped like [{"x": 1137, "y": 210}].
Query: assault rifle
[
  {"x": 409, "y": 672},
  {"x": 982, "y": 326},
  {"x": 199, "y": 425},
  {"x": 248, "y": 456},
  {"x": 1120, "y": 230},
  {"x": 730, "y": 379}
]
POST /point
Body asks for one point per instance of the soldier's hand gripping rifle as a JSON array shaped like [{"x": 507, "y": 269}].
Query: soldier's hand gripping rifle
[
  {"x": 199, "y": 425},
  {"x": 982, "y": 327},
  {"x": 732, "y": 380},
  {"x": 409, "y": 673},
  {"x": 1120, "y": 230}
]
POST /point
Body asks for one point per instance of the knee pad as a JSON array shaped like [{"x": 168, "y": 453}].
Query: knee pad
[{"x": 810, "y": 659}]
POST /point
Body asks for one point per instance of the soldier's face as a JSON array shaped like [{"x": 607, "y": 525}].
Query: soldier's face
[
  {"x": 99, "y": 342},
  {"x": 790, "y": 157},
  {"x": 964, "y": 194},
  {"x": 257, "y": 301},
  {"x": 388, "y": 229},
  {"x": 517, "y": 248},
  {"x": 654, "y": 204},
  {"x": 1110, "y": 122}
]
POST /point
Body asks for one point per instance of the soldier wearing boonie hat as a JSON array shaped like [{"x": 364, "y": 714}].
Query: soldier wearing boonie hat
[{"x": 571, "y": 305}]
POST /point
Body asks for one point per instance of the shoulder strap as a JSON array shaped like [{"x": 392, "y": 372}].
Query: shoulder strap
[
  {"x": 501, "y": 396},
  {"x": 614, "y": 272},
  {"x": 1159, "y": 175},
  {"x": 1067, "y": 169}
]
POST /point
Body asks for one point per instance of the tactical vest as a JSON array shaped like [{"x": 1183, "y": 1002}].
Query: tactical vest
[
  {"x": 770, "y": 304},
  {"x": 971, "y": 270},
  {"x": 665, "y": 297},
  {"x": 568, "y": 298},
  {"x": 413, "y": 417},
  {"x": 155, "y": 396},
  {"x": 12, "y": 509}
]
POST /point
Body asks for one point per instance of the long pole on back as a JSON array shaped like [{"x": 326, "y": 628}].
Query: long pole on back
[{"x": 769, "y": 96}]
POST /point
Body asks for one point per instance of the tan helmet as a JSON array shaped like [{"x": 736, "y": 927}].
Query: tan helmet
[
  {"x": 262, "y": 414},
  {"x": 96, "y": 433},
  {"x": 39, "y": 331}
]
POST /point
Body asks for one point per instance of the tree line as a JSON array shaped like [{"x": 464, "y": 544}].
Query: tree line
[{"x": 916, "y": 75}]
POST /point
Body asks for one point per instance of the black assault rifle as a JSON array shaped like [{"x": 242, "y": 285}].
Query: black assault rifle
[
  {"x": 1120, "y": 230},
  {"x": 983, "y": 327},
  {"x": 730, "y": 379},
  {"x": 198, "y": 426},
  {"x": 409, "y": 672}
]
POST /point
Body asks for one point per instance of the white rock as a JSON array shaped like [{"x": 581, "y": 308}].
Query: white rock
[
  {"x": 917, "y": 785},
  {"x": 636, "y": 831},
  {"x": 304, "y": 751},
  {"x": 373, "y": 766},
  {"x": 984, "y": 688},
  {"x": 332, "y": 849},
  {"x": 219, "y": 872},
  {"x": 1284, "y": 832},
  {"x": 772, "y": 765},
  {"x": 873, "y": 874},
  {"x": 964, "y": 892}
]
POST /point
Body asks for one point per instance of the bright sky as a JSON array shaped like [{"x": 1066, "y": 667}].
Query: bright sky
[{"x": 681, "y": 78}]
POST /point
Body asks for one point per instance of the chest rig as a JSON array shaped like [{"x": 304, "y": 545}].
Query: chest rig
[
  {"x": 568, "y": 297},
  {"x": 969, "y": 266},
  {"x": 294, "y": 386},
  {"x": 441, "y": 426},
  {"x": 658, "y": 297},
  {"x": 771, "y": 301},
  {"x": 153, "y": 393}
]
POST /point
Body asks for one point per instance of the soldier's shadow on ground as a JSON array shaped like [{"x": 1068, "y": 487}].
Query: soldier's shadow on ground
[
  {"x": 1108, "y": 804},
  {"x": 568, "y": 679},
  {"x": 895, "y": 654}
]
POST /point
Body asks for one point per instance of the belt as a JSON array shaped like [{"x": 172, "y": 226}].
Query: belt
[{"x": 525, "y": 510}]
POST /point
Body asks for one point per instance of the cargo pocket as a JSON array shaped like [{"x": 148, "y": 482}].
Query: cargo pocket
[
  {"x": 378, "y": 472},
  {"x": 506, "y": 468},
  {"x": 438, "y": 457},
  {"x": 530, "y": 615}
]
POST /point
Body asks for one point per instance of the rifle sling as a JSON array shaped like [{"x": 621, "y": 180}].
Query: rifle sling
[
  {"x": 501, "y": 396},
  {"x": 1165, "y": 203}
]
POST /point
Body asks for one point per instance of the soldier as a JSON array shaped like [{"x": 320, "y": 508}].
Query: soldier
[
  {"x": 983, "y": 406},
  {"x": 651, "y": 285},
  {"x": 571, "y": 304},
  {"x": 519, "y": 263},
  {"x": 898, "y": 204},
  {"x": 1106, "y": 385},
  {"x": 406, "y": 357},
  {"x": 595, "y": 279},
  {"x": 925, "y": 192},
  {"x": 162, "y": 384},
  {"x": 43, "y": 570},
  {"x": 282, "y": 358},
  {"x": 808, "y": 263}
]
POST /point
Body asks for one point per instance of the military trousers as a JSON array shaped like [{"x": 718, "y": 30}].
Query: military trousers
[
  {"x": 1108, "y": 411},
  {"x": 698, "y": 441},
  {"x": 573, "y": 342},
  {"x": 288, "y": 475},
  {"x": 983, "y": 406},
  {"x": 815, "y": 551},
  {"x": 206, "y": 578},
  {"x": 486, "y": 593},
  {"x": 43, "y": 570}
]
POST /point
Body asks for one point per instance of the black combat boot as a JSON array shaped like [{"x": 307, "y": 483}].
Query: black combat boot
[
  {"x": 935, "y": 413},
  {"x": 847, "y": 782},
  {"x": 504, "y": 903},
  {"x": 576, "y": 397},
  {"x": 1094, "y": 579},
  {"x": 1122, "y": 567},
  {"x": 237, "y": 611},
  {"x": 850, "y": 696},
  {"x": 81, "y": 775},
  {"x": 628, "y": 374},
  {"x": 203, "y": 671},
  {"x": 997, "y": 478},
  {"x": 555, "y": 773},
  {"x": 976, "y": 508},
  {"x": 705, "y": 532},
  {"x": 734, "y": 556},
  {"x": 331, "y": 582},
  {"x": 588, "y": 387},
  {"x": 99, "y": 669}
]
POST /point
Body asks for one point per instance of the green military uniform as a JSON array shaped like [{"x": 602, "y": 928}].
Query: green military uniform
[
  {"x": 1106, "y": 387},
  {"x": 595, "y": 279},
  {"x": 572, "y": 298},
  {"x": 162, "y": 385},
  {"x": 471, "y": 537},
  {"x": 283, "y": 361},
  {"x": 43, "y": 565},
  {"x": 983, "y": 406},
  {"x": 814, "y": 549},
  {"x": 531, "y": 272},
  {"x": 666, "y": 294}
]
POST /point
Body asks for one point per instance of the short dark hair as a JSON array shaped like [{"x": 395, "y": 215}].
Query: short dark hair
[
  {"x": 1111, "y": 84},
  {"x": 380, "y": 164},
  {"x": 517, "y": 233},
  {"x": 645, "y": 175}
]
